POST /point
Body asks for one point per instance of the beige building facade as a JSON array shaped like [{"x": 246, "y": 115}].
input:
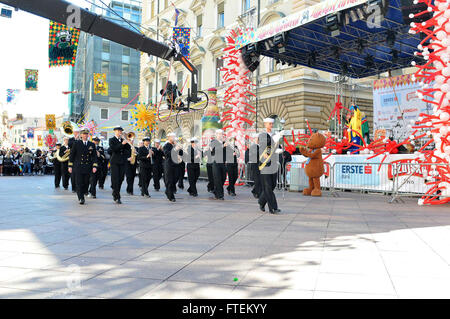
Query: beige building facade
[{"x": 288, "y": 93}]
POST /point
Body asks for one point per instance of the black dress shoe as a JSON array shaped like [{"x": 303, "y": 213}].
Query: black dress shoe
[
  {"x": 195, "y": 195},
  {"x": 229, "y": 192},
  {"x": 275, "y": 211},
  {"x": 82, "y": 201},
  {"x": 255, "y": 195},
  {"x": 156, "y": 189},
  {"x": 233, "y": 194},
  {"x": 261, "y": 208},
  {"x": 100, "y": 187},
  {"x": 130, "y": 193},
  {"x": 173, "y": 200},
  {"x": 147, "y": 195},
  {"x": 119, "y": 201},
  {"x": 221, "y": 198},
  {"x": 65, "y": 188},
  {"x": 93, "y": 196}
]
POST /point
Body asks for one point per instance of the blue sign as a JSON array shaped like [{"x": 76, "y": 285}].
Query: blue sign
[
  {"x": 388, "y": 100},
  {"x": 356, "y": 171}
]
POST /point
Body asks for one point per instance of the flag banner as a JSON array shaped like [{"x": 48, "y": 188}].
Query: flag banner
[
  {"x": 62, "y": 44},
  {"x": 30, "y": 132},
  {"x": 40, "y": 142},
  {"x": 31, "y": 80},
  {"x": 175, "y": 16},
  {"x": 100, "y": 85},
  {"x": 125, "y": 89},
  {"x": 182, "y": 37},
  {"x": 105, "y": 91},
  {"x": 11, "y": 95},
  {"x": 50, "y": 121}
]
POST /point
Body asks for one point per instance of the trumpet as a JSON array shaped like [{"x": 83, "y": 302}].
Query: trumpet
[{"x": 129, "y": 137}]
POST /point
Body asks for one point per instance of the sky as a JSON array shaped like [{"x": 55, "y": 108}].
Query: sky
[{"x": 24, "y": 45}]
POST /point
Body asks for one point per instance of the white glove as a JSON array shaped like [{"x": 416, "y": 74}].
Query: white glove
[
  {"x": 276, "y": 137},
  {"x": 279, "y": 151}
]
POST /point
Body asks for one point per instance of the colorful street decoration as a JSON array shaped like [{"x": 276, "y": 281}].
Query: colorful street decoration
[
  {"x": 211, "y": 117},
  {"x": 50, "y": 121},
  {"x": 40, "y": 142},
  {"x": 11, "y": 95},
  {"x": 237, "y": 95},
  {"x": 30, "y": 133},
  {"x": 50, "y": 140},
  {"x": 125, "y": 90},
  {"x": 182, "y": 36},
  {"x": 62, "y": 44},
  {"x": 31, "y": 80},
  {"x": 100, "y": 85},
  {"x": 143, "y": 117}
]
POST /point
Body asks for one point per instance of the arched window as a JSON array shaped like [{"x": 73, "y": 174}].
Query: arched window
[{"x": 162, "y": 135}]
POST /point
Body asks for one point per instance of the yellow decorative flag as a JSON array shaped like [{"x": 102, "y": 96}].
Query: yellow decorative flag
[
  {"x": 50, "y": 121},
  {"x": 105, "y": 91},
  {"x": 125, "y": 89},
  {"x": 100, "y": 84},
  {"x": 40, "y": 142}
]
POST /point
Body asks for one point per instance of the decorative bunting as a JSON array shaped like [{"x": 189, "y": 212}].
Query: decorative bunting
[
  {"x": 50, "y": 121},
  {"x": 182, "y": 36},
  {"x": 100, "y": 85},
  {"x": 31, "y": 80},
  {"x": 30, "y": 133},
  {"x": 62, "y": 44}
]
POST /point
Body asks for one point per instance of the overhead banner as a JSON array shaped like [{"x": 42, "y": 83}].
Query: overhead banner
[
  {"x": 393, "y": 97},
  {"x": 40, "y": 142},
  {"x": 297, "y": 19},
  {"x": 11, "y": 95},
  {"x": 62, "y": 44},
  {"x": 125, "y": 90},
  {"x": 50, "y": 122},
  {"x": 30, "y": 132},
  {"x": 31, "y": 80},
  {"x": 100, "y": 85},
  {"x": 182, "y": 36}
]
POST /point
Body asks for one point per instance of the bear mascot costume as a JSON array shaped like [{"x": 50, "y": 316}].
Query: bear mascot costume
[{"x": 314, "y": 165}]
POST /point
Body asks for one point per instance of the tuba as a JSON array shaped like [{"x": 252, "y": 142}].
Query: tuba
[{"x": 68, "y": 128}]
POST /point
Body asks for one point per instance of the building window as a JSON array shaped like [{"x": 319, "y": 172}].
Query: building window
[
  {"x": 152, "y": 9},
  {"x": 199, "y": 25},
  {"x": 124, "y": 115},
  {"x": 180, "y": 80},
  {"x": 150, "y": 93},
  {"x": 103, "y": 114},
  {"x": 245, "y": 5},
  {"x": 273, "y": 66},
  {"x": 125, "y": 70},
  {"x": 106, "y": 46},
  {"x": 105, "y": 67},
  {"x": 219, "y": 66},
  {"x": 126, "y": 51},
  {"x": 163, "y": 83},
  {"x": 200, "y": 75},
  {"x": 221, "y": 15}
]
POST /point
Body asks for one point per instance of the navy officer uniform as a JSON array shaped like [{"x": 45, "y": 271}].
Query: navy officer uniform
[
  {"x": 83, "y": 160},
  {"x": 120, "y": 151}
]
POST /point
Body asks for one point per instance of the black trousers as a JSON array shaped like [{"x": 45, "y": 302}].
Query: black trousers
[
  {"x": 65, "y": 174},
  {"x": 93, "y": 183},
  {"x": 232, "y": 171},
  {"x": 117, "y": 176},
  {"x": 157, "y": 171},
  {"x": 180, "y": 175},
  {"x": 130, "y": 172},
  {"x": 170, "y": 180},
  {"x": 193, "y": 171},
  {"x": 73, "y": 181},
  {"x": 102, "y": 174},
  {"x": 82, "y": 180},
  {"x": 145, "y": 175},
  {"x": 209, "y": 170},
  {"x": 256, "y": 177},
  {"x": 220, "y": 174},
  {"x": 267, "y": 196},
  {"x": 58, "y": 174}
]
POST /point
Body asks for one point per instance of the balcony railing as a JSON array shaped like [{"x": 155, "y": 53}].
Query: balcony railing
[{"x": 248, "y": 18}]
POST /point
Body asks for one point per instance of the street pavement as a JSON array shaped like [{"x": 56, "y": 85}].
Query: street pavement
[{"x": 352, "y": 246}]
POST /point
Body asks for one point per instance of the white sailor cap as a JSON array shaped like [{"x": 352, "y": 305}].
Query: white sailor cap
[
  {"x": 194, "y": 140},
  {"x": 219, "y": 131},
  {"x": 157, "y": 141},
  {"x": 269, "y": 120},
  {"x": 171, "y": 134}
]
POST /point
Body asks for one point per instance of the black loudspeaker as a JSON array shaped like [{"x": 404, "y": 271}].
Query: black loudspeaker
[
  {"x": 408, "y": 7},
  {"x": 250, "y": 57}
]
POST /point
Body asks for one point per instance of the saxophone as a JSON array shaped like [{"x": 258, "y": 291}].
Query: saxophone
[{"x": 129, "y": 137}]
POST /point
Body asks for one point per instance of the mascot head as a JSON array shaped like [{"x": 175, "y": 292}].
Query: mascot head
[
  {"x": 63, "y": 39},
  {"x": 316, "y": 141}
]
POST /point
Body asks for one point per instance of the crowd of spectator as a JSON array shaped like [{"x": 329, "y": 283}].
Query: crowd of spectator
[{"x": 25, "y": 162}]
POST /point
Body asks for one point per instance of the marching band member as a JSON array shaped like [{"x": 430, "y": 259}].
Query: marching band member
[
  {"x": 268, "y": 167},
  {"x": 75, "y": 137},
  {"x": 232, "y": 154},
  {"x": 120, "y": 149},
  {"x": 157, "y": 167},
  {"x": 181, "y": 170},
  {"x": 219, "y": 171},
  {"x": 83, "y": 159},
  {"x": 145, "y": 155},
  {"x": 57, "y": 165},
  {"x": 209, "y": 168},
  {"x": 193, "y": 159},
  {"x": 172, "y": 152},
  {"x": 96, "y": 176},
  {"x": 103, "y": 166},
  {"x": 130, "y": 166},
  {"x": 64, "y": 164}
]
